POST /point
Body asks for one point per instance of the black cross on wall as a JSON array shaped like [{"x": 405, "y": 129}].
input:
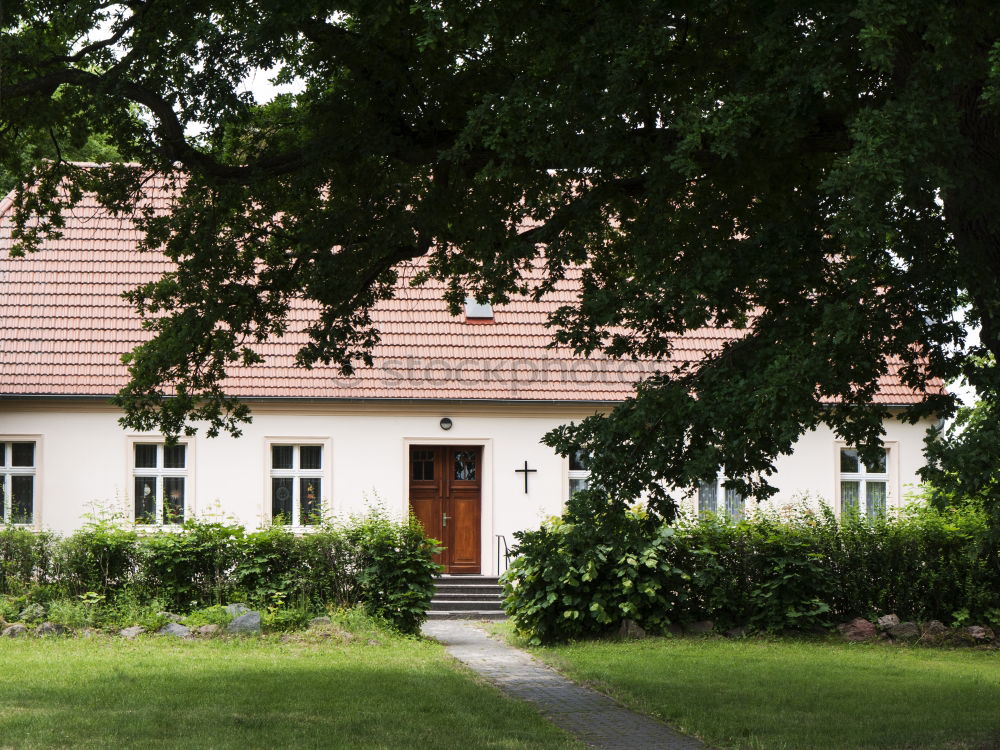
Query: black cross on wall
[{"x": 525, "y": 471}]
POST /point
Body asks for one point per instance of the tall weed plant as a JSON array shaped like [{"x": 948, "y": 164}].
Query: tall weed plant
[{"x": 584, "y": 573}]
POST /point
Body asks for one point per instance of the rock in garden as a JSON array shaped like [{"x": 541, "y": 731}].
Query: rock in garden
[
  {"x": 319, "y": 621},
  {"x": 904, "y": 631},
  {"x": 32, "y": 613},
  {"x": 858, "y": 629},
  {"x": 374, "y": 642},
  {"x": 936, "y": 628},
  {"x": 739, "y": 632},
  {"x": 978, "y": 634},
  {"x": 675, "y": 629},
  {"x": 89, "y": 633},
  {"x": 132, "y": 633},
  {"x": 887, "y": 621},
  {"x": 169, "y": 616},
  {"x": 630, "y": 629},
  {"x": 702, "y": 627},
  {"x": 248, "y": 623},
  {"x": 15, "y": 631},
  {"x": 210, "y": 629},
  {"x": 236, "y": 609},
  {"x": 176, "y": 629},
  {"x": 50, "y": 628}
]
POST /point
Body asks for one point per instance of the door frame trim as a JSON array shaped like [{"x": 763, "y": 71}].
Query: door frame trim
[{"x": 485, "y": 494}]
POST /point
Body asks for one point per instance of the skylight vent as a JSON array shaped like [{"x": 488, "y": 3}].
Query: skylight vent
[{"x": 478, "y": 312}]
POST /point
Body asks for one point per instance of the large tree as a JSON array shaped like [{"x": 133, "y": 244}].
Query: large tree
[{"x": 821, "y": 173}]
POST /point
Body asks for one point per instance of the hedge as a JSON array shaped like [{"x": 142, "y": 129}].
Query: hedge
[
  {"x": 384, "y": 565},
  {"x": 581, "y": 575}
]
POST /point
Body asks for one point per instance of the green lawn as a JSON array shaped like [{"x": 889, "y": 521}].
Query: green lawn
[
  {"x": 800, "y": 695},
  {"x": 165, "y": 693}
]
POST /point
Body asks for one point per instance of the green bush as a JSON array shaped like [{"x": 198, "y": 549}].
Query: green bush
[
  {"x": 383, "y": 565},
  {"x": 584, "y": 573},
  {"x": 101, "y": 557},
  {"x": 25, "y": 559}
]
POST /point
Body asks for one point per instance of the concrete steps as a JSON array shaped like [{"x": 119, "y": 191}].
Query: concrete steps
[{"x": 466, "y": 598}]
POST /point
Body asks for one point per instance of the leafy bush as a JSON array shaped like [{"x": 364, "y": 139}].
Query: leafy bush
[
  {"x": 101, "y": 557},
  {"x": 193, "y": 566},
  {"x": 384, "y": 565},
  {"x": 25, "y": 559},
  {"x": 582, "y": 574}
]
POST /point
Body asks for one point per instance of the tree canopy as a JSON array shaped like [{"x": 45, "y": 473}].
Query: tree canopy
[{"x": 823, "y": 173}]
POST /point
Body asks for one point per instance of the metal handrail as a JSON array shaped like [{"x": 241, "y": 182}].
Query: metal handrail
[{"x": 506, "y": 554}]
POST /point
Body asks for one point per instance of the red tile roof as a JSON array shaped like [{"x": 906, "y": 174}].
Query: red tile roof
[{"x": 64, "y": 327}]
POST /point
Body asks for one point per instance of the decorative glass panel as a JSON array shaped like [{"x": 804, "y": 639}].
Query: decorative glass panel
[
  {"x": 708, "y": 497},
  {"x": 145, "y": 499},
  {"x": 173, "y": 500},
  {"x": 578, "y": 461},
  {"x": 22, "y": 493},
  {"x": 22, "y": 454},
  {"x": 309, "y": 500},
  {"x": 576, "y": 484},
  {"x": 849, "y": 463},
  {"x": 174, "y": 456},
  {"x": 879, "y": 466},
  {"x": 734, "y": 504},
  {"x": 465, "y": 465},
  {"x": 281, "y": 456},
  {"x": 875, "y": 494},
  {"x": 281, "y": 499},
  {"x": 850, "y": 494},
  {"x": 311, "y": 457},
  {"x": 145, "y": 456}
]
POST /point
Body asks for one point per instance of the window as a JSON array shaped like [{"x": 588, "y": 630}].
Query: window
[
  {"x": 296, "y": 484},
  {"x": 710, "y": 494},
  {"x": 864, "y": 489},
  {"x": 478, "y": 312},
  {"x": 17, "y": 482},
  {"x": 579, "y": 473},
  {"x": 159, "y": 473}
]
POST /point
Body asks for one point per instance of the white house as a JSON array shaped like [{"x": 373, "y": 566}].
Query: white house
[{"x": 448, "y": 421}]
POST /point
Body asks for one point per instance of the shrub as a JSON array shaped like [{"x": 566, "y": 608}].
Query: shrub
[
  {"x": 384, "y": 565},
  {"x": 101, "y": 557},
  {"x": 581, "y": 575},
  {"x": 25, "y": 559},
  {"x": 193, "y": 566}
]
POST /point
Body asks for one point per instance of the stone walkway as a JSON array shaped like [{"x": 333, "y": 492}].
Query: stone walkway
[{"x": 591, "y": 716}]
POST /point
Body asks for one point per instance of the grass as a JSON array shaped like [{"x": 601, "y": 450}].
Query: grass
[
  {"x": 799, "y": 695},
  {"x": 254, "y": 693}
]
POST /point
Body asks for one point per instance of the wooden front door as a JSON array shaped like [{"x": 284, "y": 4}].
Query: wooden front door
[{"x": 445, "y": 492}]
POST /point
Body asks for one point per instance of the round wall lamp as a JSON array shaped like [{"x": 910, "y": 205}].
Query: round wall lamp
[{"x": 445, "y": 423}]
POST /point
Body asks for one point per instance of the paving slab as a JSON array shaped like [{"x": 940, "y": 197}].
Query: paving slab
[{"x": 591, "y": 716}]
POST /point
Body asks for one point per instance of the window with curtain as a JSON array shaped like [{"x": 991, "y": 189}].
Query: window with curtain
[
  {"x": 17, "y": 482},
  {"x": 864, "y": 489},
  {"x": 159, "y": 479},
  {"x": 296, "y": 484},
  {"x": 715, "y": 497}
]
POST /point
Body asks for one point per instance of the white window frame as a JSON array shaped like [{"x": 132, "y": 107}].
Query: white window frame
[
  {"x": 296, "y": 473},
  {"x": 720, "y": 493},
  {"x": 8, "y": 471},
  {"x": 863, "y": 477},
  {"x": 575, "y": 474},
  {"x": 160, "y": 472}
]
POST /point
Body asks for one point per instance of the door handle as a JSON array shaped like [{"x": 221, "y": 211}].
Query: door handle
[{"x": 444, "y": 519}]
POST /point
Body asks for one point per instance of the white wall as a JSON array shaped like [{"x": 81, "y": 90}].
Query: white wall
[{"x": 84, "y": 458}]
